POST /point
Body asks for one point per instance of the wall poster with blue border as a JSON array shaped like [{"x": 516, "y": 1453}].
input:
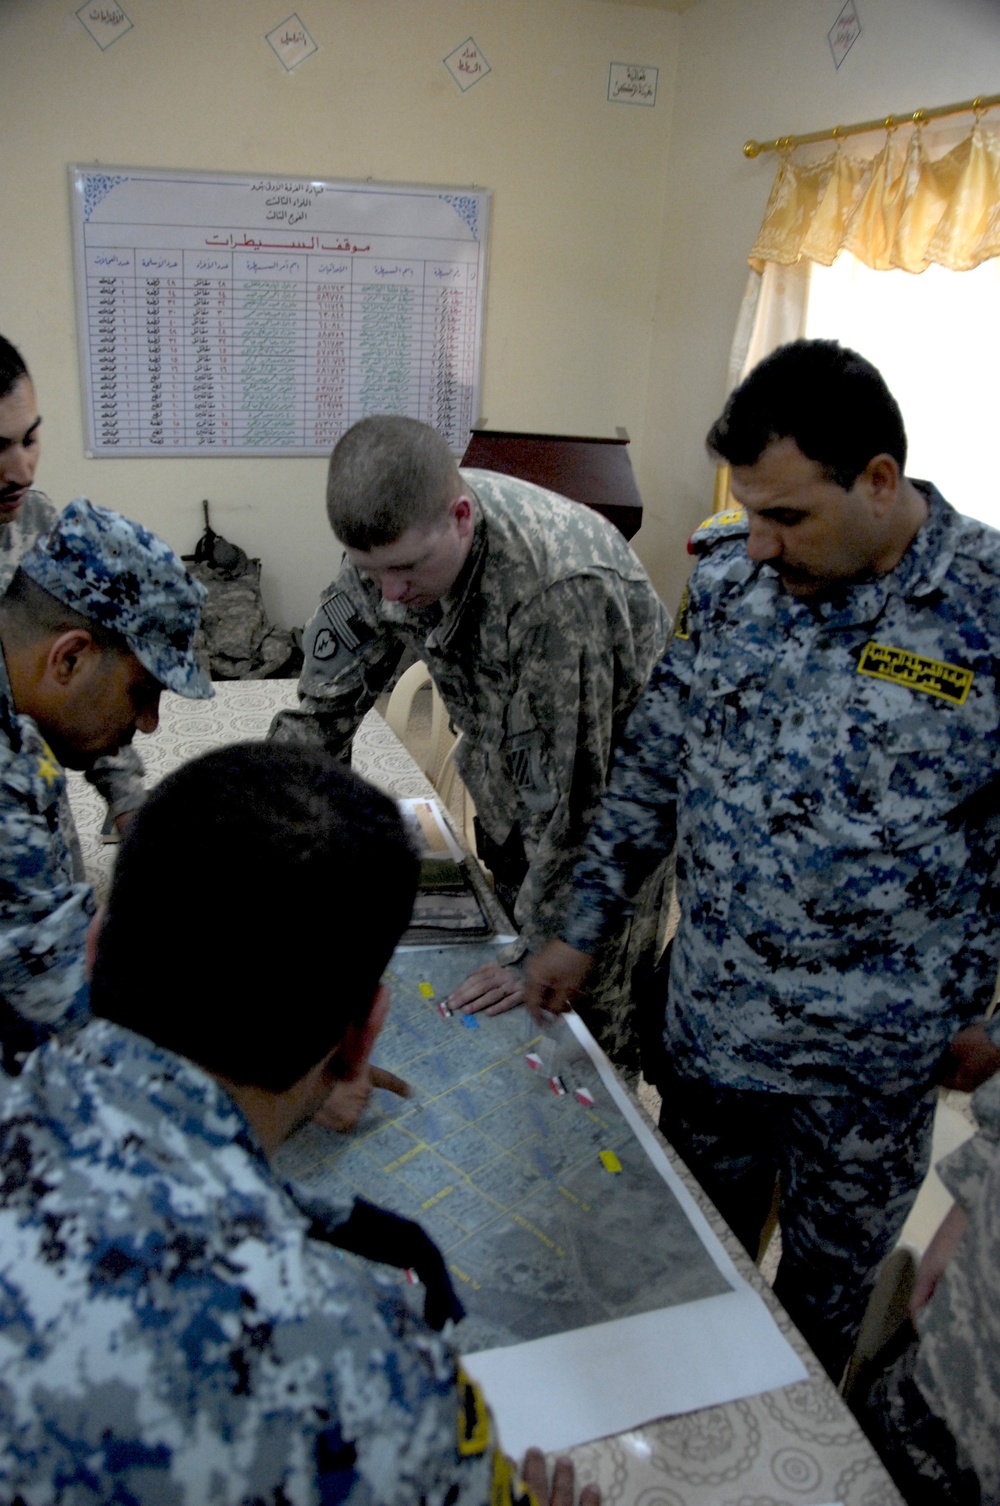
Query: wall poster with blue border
[{"x": 240, "y": 314}]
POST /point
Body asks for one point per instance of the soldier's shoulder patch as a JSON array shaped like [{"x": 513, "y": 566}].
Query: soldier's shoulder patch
[
  {"x": 720, "y": 526},
  {"x": 936, "y": 677},
  {"x": 339, "y": 628}
]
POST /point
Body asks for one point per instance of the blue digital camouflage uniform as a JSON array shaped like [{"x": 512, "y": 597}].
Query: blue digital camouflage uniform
[
  {"x": 141, "y": 590},
  {"x": 935, "y": 1414},
  {"x": 175, "y": 1330},
  {"x": 44, "y": 908},
  {"x": 539, "y": 653},
  {"x": 828, "y": 767}
]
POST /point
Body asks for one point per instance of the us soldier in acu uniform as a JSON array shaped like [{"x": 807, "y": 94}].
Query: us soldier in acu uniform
[
  {"x": 539, "y": 627},
  {"x": 177, "y": 1329},
  {"x": 823, "y": 739},
  {"x": 934, "y": 1413},
  {"x": 98, "y": 619}
]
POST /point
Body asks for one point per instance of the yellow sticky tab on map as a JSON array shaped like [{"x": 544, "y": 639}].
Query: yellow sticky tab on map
[
  {"x": 610, "y": 1161},
  {"x": 427, "y": 990}
]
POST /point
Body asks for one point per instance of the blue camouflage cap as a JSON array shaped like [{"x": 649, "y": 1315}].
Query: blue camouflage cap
[{"x": 123, "y": 578}]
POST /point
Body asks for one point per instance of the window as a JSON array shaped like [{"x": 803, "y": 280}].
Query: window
[{"x": 935, "y": 339}]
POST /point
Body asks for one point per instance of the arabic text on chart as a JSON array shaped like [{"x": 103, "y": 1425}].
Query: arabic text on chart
[{"x": 255, "y": 343}]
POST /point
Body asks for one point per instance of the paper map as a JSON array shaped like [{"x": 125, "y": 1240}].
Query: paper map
[{"x": 556, "y": 1211}]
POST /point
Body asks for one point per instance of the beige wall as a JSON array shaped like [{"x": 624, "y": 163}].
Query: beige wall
[
  {"x": 762, "y": 68},
  {"x": 619, "y": 234},
  {"x": 578, "y": 206}
]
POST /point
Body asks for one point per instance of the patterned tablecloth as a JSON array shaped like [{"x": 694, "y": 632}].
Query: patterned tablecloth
[
  {"x": 241, "y": 711},
  {"x": 795, "y": 1447}
]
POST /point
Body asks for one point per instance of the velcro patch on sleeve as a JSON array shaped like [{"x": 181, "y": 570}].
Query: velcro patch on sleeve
[{"x": 950, "y": 682}]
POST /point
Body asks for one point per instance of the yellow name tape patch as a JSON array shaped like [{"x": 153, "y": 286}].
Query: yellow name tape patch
[{"x": 931, "y": 676}]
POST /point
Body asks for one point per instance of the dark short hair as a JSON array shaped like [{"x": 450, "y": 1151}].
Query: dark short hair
[
  {"x": 830, "y": 400},
  {"x": 12, "y": 367},
  {"x": 29, "y": 612},
  {"x": 387, "y": 474},
  {"x": 257, "y": 897}
]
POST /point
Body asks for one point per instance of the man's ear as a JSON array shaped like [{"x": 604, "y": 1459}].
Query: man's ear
[
  {"x": 66, "y": 654},
  {"x": 347, "y": 1060},
  {"x": 881, "y": 478},
  {"x": 461, "y": 511}
]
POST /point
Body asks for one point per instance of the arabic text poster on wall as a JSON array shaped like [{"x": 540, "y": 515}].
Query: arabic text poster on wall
[
  {"x": 632, "y": 84},
  {"x": 226, "y": 314}
]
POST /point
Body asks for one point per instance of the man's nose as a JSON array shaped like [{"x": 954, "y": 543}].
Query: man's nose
[
  {"x": 764, "y": 542},
  {"x": 392, "y": 588}
]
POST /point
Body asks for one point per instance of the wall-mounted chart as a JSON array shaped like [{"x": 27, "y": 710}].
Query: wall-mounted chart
[{"x": 226, "y": 314}]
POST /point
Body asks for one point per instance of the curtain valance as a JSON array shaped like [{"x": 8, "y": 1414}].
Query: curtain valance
[{"x": 901, "y": 208}]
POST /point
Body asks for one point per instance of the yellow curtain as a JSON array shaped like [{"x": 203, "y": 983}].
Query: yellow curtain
[{"x": 896, "y": 209}]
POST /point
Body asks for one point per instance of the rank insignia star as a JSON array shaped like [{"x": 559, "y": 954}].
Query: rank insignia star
[{"x": 47, "y": 768}]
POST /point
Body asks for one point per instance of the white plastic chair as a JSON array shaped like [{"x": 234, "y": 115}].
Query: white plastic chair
[{"x": 432, "y": 747}]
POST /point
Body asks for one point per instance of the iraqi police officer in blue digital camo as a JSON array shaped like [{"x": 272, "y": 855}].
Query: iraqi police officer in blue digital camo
[
  {"x": 26, "y": 512},
  {"x": 99, "y": 617},
  {"x": 175, "y": 1329},
  {"x": 822, "y": 737}
]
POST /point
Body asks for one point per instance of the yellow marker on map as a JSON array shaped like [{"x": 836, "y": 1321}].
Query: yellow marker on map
[
  {"x": 610, "y": 1161},
  {"x": 427, "y": 990}
]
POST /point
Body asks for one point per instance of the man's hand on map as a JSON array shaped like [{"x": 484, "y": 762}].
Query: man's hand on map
[
  {"x": 348, "y": 1100},
  {"x": 555, "y": 979},
  {"x": 563, "y": 1489},
  {"x": 491, "y": 988}
]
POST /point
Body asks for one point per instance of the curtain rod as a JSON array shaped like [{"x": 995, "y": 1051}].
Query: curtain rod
[{"x": 887, "y": 123}]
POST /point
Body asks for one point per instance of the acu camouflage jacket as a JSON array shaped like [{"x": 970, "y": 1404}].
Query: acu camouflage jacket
[
  {"x": 958, "y": 1362},
  {"x": 539, "y": 653}
]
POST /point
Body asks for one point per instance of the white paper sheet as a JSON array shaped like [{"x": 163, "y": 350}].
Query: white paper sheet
[{"x": 573, "y": 1387}]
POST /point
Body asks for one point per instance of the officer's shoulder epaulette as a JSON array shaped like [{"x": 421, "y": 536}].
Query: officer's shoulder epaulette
[{"x": 720, "y": 526}]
